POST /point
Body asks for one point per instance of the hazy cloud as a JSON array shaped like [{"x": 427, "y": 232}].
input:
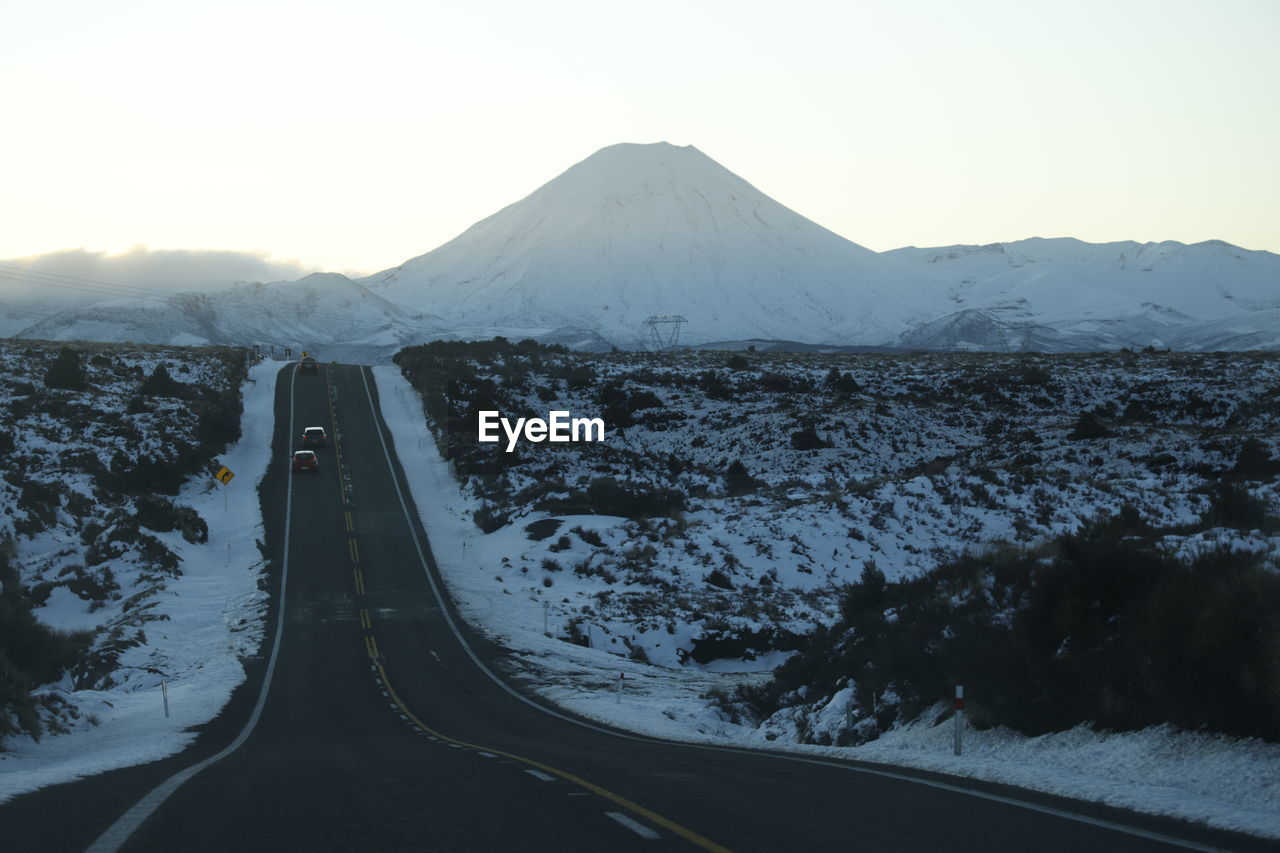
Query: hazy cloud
[{"x": 140, "y": 268}]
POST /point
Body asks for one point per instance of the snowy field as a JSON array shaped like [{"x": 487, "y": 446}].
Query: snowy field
[
  {"x": 215, "y": 618},
  {"x": 209, "y": 618},
  {"x": 1232, "y": 784}
]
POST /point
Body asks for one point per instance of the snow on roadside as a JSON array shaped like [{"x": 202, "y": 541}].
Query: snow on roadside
[
  {"x": 216, "y": 618},
  {"x": 1227, "y": 783}
]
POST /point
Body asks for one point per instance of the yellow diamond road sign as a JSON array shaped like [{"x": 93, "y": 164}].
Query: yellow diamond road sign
[{"x": 224, "y": 475}]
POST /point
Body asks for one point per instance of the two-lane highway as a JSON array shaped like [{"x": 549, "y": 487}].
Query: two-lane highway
[{"x": 384, "y": 724}]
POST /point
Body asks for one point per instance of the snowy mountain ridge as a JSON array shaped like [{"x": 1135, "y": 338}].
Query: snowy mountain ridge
[
  {"x": 636, "y": 230},
  {"x": 319, "y": 309}
]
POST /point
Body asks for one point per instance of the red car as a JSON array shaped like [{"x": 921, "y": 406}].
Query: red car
[{"x": 305, "y": 460}]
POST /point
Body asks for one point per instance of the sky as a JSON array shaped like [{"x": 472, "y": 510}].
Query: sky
[{"x": 352, "y": 137}]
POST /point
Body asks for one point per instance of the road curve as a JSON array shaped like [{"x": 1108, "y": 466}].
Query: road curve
[{"x": 385, "y": 724}]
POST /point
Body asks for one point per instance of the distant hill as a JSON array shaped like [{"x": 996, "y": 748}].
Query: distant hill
[
  {"x": 637, "y": 230},
  {"x": 320, "y": 310}
]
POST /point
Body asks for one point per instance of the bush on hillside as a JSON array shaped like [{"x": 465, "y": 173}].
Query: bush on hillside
[
  {"x": 66, "y": 372},
  {"x": 31, "y": 654},
  {"x": 161, "y": 384},
  {"x": 1088, "y": 427},
  {"x": 1106, "y": 628},
  {"x": 737, "y": 480},
  {"x": 607, "y": 496},
  {"x": 1254, "y": 462}
]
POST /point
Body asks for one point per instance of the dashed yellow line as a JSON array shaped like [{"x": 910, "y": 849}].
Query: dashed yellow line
[
  {"x": 359, "y": 582},
  {"x": 355, "y": 550},
  {"x": 635, "y": 808},
  {"x": 365, "y": 622},
  {"x": 350, "y": 526},
  {"x": 371, "y": 647}
]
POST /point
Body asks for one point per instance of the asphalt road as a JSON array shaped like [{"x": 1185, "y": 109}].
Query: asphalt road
[{"x": 386, "y": 724}]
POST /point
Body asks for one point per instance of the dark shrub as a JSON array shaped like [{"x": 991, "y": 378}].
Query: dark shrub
[
  {"x": 31, "y": 654},
  {"x": 807, "y": 439},
  {"x": 219, "y": 423},
  {"x": 1108, "y": 628},
  {"x": 737, "y": 480},
  {"x": 161, "y": 384},
  {"x": 1087, "y": 426},
  {"x": 1231, "y": 505},
  {"x": 718, "y": 578},
  {"x": 543, "y": 528},
  {"x": 1254, "y": 462},
  {"x": 1035, "y": 374},
  {"x": 845, "y": 385},
  {"x": 591, "y": 537},
  {"x": 607, "y": 496},
  {"x": 66, "y": 372},
  {"x": 161, "y": 514},
  {"x": 488, "y": 519}
]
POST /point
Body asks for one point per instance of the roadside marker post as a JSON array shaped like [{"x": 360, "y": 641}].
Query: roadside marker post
[
  {"x": 546, "y": 608},
  {"x": 959, "y": 715},
  {"x": 164, "y": 691},
  {"x": 622, "y": 678}
]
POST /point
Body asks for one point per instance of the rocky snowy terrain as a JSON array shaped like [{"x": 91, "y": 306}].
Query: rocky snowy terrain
[
  {"x": 694, "y": 578},
  {"x": 736, "y": 495},
  {"x": 111, "y": 580}
]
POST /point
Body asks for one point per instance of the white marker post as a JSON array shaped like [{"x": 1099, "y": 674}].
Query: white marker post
[
  {"x": 959, "y": 714},
  {"x": 546, "y": 609},
  {"x": 164, "y": 691},
  {"x": 622, "y": 677}
]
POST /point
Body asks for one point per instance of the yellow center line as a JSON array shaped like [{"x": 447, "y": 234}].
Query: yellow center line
[
  {"x": 337, "y": 445},
  {"x": 635, "y": 808},
  {"x": 359, "y": 582},
  {"x": 368, "y": 647},
  {"x": 350, "y": 526},
  {"x": 364, "y": 619},
  {"x": 355, "y": 550}
]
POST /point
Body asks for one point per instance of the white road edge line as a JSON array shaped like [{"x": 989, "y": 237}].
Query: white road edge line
[
  {"x": 540, "y": 776},
  {"x": 781, "y": 756},
  {"x": 638, "y": 828},
  {"x": 118, "y": 833}
]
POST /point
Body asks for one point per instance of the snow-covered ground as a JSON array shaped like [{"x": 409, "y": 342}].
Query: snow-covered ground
[
  {"x": 215, "y": 618},
  {"x": 210, "y": 617},
  {"x": 1224, "y": 782}
]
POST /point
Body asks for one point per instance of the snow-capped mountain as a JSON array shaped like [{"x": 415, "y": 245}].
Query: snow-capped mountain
[
  {"x": 637, "y": 230},
  {"x": 319, "y": 310},
  {"x": 1065, "y": 294}
]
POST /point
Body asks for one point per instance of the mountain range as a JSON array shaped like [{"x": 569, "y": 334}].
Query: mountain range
[{"x": 640, "y": 230}]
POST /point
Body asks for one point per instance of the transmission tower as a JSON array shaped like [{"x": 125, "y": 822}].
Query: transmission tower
[
  {"x": 664, "y": 331},
  {"x": 1026, "y": 329}
]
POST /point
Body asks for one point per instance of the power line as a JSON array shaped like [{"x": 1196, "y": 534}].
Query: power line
[{"x": 75, "y": 282}]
